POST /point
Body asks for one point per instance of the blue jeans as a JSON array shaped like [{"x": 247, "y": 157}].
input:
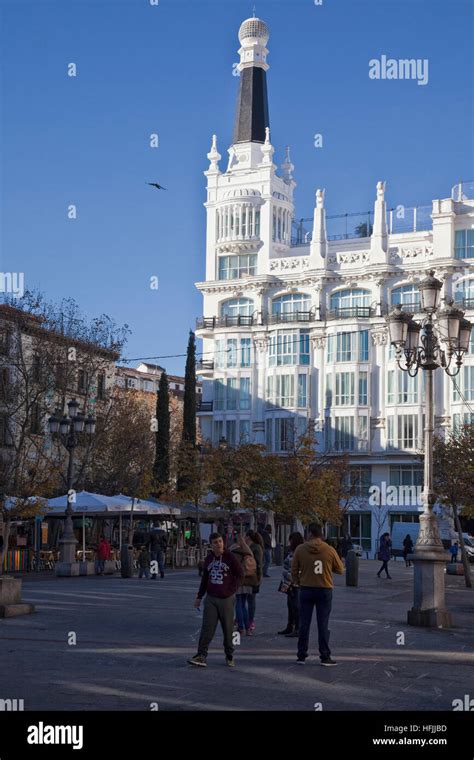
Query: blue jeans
[
  {"x": 242, "y": 611},
  {"x": 321, "y": 598},
  {"x": 100, "y": 566},
  {"x": 267, "y": 560},
  {"x": 252, "y": 603},
  {"x": 144, "y": 571},
  {"x": 158, "y": 557}
]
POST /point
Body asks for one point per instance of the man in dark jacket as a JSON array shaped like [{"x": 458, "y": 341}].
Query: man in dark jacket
[
  {"x": 158, "y": 545},
  {"x": 266, "y": 534},
  {"x": 221, "y": 578}
]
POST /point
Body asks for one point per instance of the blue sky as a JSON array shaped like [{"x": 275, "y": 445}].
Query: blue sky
[{"x": 168, "y": 69}]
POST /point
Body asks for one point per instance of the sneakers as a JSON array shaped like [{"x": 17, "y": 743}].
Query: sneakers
[
  {"x": 230, "y": 662},
  {"x": 198, "y": 660},
  {"x": 327, "y": 662},
  {"x": 300, "y": 660}
]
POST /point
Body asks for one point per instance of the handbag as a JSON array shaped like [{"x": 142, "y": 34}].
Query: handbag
[{"x": 284, "y": 587}]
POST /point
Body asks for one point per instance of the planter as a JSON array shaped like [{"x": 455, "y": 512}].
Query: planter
[{"x": 10, "y": 598}]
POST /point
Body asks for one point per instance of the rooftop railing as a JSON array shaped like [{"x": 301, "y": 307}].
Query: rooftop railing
[{"x": 464, "y": 191}]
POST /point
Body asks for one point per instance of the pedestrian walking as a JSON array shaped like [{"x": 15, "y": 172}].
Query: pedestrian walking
[
  {"x": 292, "y": 626},
  {"x": 144, "y": 563},
  {"x": 249, "y": 581},
  {"x": 255, "y": 541},
  {"x": 407, "y": 549},
  {"x": 158, "y": 546},
  {"x": 346, "y": 546},
  {"x": 385, "y": 554},
  {"x": 103, "y": 554},
  {"x": 266, "y": 534},
  {"x": 312, "y": 569},
  {"x": 221, "y": 578},
  {"x": 453, "y": 549}
]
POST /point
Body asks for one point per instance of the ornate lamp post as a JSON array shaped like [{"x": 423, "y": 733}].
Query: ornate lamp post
[
  {"x": 440, "y": 339},
  {"x": 68, "y": 428}
]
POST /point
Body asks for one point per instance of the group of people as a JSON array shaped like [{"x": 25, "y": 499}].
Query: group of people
[
  {"x": 231, "y": 578},
  {"x": 151, "y": 558}
]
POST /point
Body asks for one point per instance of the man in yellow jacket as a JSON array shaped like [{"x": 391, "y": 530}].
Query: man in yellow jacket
[{"x": 313, "y": 564}]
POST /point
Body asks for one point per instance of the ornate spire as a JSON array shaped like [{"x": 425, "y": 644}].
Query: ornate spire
[
  {"x": 379, "y": 239},
  {"x": 287, "y": 166},
  {"x": 214, "y": 156},
  {"x": 267, "y": 148}
]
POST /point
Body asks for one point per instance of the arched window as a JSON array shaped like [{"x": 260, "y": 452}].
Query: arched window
[
  {"x": 407, "y": 295},
  {"x": 292, "y": 307},
  {"x": 464, "y": 293},
  {"x": 237, "y": 311},
  {"x": 352, "y": 302}
]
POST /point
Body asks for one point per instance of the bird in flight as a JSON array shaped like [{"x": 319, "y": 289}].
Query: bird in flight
[{"x": 155, "y": 184}]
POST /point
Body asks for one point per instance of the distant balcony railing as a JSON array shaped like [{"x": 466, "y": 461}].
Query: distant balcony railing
[
  {"x": 410, "y": 308},
  {"x": 345, "y": 312},
  {"x": 464, "y": 191},
  {"x": 210, "y": 323},
  {"x": 465, "y": 303},
  {"x": 294, "y": 316},
  {"x": 205, "y": 364},
  {"x": 205, "y": 406}
]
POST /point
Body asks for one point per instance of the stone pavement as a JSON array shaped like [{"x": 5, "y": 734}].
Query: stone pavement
[{"x": 134, "y": 636}]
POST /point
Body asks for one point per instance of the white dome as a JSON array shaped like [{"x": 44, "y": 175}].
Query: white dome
[
  {"x": 242, "y": 193},
  {"x": 255, "y": 28}
]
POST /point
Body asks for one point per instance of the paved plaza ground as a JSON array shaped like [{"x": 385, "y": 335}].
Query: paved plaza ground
[{"x": 134, "y": 637}]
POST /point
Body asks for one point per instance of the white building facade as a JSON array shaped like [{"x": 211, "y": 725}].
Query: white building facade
[{"x": 294, "y": 332}]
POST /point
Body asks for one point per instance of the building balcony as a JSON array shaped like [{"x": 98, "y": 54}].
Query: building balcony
[
  {"x": 294, "y": 316},
  {"x": 347, "y": 312},
  {"x": 205, "y": 365},
  {"x": 210, "y": 323},
  {"x": 205, "y": 407},
  {"x": 464, "y": 303}
]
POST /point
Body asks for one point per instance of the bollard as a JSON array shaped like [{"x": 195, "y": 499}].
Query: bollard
[
  {"x": 126, "y": 561},
  {"x": 352, "y": 569}
]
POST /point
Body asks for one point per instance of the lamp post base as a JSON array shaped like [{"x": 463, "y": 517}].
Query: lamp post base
[
  {"x": 429, "y": 610},
  {"x": 67, "y": 569}
]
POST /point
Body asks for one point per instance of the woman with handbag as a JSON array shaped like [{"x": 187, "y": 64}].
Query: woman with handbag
[
  {"x": 288, "y": 588},
  {"x": 249, "y": 565}
]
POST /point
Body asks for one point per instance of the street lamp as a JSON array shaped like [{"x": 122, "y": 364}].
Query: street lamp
[
  {"x": 67, "y": 428},
  {"x": 440, "y": 339}
]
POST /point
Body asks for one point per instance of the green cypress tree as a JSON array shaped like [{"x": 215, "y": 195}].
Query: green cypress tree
[
  {"x": 189, "y": 411},
  {"x": 161, "y": 468}
]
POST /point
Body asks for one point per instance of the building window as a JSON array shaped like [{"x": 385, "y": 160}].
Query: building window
[
  {"x": 245, "y": 349},
  {"x": 330, "y": 352},
  {"x": 406, "y": 475},
  {"x": 464, "y": 244},
  {"x": 217, "y": 432},
  {"x": 462, "y": 419},
  {"x": 407, "y": 295},
  {"x": 36, "y": 369},
  {"x": 363, "y": 383},
  {"x": 5, "y": 434},
  {"x": 351, "y": 302},
  {"x": 364, "y": 346},
  {"x": 291, "y": 307},
  {"x": 230, "y": 432},
  {"x": 464, "y": 385},
  {"x": 302, "y": 391},
  {"x": 403, "y": 431},
  {"x": 236, "y": 309},
  {"x": 344, "y": 433},
  {"x": 219, "y": 394},
  {"x": 289, "y": 347},
  {"x": 36, "y": 427},
  {"x": 232, "y": 352},
  {"x": 130, "y": 382},
  {"x": 344, "y": 389},
  {"x": 358, "y": 480},
  {"x": 231, "y": 394},
  {"x": 287, "y": 430},
  {"x": 4, "y": 341},
  {"x": 304, "y": 347},
  {"x": 234, "y": 267},
  {"x": 244, "y": 431},
  {"x": 344, "y": 346},
  {"x": 101, "y": 386},
  {"x": 391, "y": 386},
  {"x": 244, "y": 395},
  {"x": 83, "y": 381}
]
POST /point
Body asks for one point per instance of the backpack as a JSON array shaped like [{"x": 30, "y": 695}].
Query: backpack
[{"x": 249, "y": 564}]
